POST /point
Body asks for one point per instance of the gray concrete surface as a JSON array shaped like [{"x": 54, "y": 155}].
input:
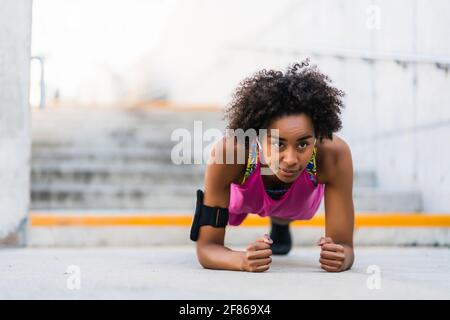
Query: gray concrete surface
[{"x": 173, "y": 273}]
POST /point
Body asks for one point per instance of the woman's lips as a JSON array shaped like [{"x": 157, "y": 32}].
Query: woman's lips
[{"x": 287, "y": 173}]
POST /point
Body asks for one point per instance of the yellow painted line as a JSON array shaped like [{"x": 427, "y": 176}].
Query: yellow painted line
[
  {"x": 166, "y": 105},
  {"x": 56, "y": 220},
  {"x": 372, "y": 220},
  {"x": 141, "y": 105}
]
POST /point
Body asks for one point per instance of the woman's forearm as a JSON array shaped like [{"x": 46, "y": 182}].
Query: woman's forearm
[{"x": 216, "y": 256}]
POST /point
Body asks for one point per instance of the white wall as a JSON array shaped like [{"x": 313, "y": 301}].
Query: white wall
[
  {"x": 88, "y": 46},
  {"x": 397, "y": 116},
  {"x": 15, "y": 37}
]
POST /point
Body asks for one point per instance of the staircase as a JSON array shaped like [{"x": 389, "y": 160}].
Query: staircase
[
  {"x": 113, "y": 159},
  {"x": 120, "y": 159}
]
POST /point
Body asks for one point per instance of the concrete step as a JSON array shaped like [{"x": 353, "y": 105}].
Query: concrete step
[
  {"x": 114, "y": 155},
  {"x": 115, "y": 127},
  {"x": 86, "y": 166},
  {"x": 85, "y": 173},
  {"x": 120, "y": 196},
  {"x": 130, "y": 167},
  {"x": 157, "y": 196}
]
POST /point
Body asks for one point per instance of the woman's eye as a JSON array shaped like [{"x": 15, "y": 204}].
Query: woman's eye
[
  {"x": 276, "y": 144},
  {"x": 303, "y": 145}
]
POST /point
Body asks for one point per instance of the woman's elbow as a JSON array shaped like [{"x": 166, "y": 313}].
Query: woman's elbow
[{"x": 202, "y": 256}]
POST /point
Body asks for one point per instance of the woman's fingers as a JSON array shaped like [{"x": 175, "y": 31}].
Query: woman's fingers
[
  {"x": 259, "y": 254},
  {"x": 265, "y": 238},
  {"x": 258, "y": 246},
  {"x": 262, "y": 268},
  {"x": 261, "y": 262},
  {"x": 332, "y": 255},
  {"x": 329, "y": 268},
  {"x": 333, "y": 247},
  {"x": 261, "y": 243},
  {"x": 259, "y": 265},
  {"x": 324, "y": 240},
  {"x": 331, "y": 263}
]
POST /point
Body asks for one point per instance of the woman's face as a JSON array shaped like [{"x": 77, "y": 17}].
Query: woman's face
[{"x": 293, "y": 148}]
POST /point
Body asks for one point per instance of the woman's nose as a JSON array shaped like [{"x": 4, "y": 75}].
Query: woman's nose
[{"x": 290, "y": 158}]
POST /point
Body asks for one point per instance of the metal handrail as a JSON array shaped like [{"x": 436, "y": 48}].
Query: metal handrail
[
  {"x": 441, "y": 61},
  {"x": 42, "y": 81}
]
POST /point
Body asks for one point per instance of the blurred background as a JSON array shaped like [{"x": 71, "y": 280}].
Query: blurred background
[{"x": 93, "y": 90}]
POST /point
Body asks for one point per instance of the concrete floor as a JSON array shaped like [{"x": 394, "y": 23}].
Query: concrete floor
[{"x": 173, "y": 273}]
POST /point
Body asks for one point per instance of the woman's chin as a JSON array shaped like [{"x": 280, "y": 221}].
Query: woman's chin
[{"x": 287, "y": 179}]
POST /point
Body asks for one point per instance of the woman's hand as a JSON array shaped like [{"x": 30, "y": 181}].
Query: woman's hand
[
  {"x": 257, "y": 255},
  {"x": 334, "y": 257}
]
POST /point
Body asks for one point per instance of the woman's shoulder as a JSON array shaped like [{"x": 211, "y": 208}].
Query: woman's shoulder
[
  {"x": 333, "y": 155},
  {"x": 230, "y": 168}
]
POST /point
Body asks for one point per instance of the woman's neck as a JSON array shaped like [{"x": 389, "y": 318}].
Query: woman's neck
[{"x": 273, "y": 182}]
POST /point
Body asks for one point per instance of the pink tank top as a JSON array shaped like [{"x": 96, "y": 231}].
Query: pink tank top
[{"x": 300, "y": 202}]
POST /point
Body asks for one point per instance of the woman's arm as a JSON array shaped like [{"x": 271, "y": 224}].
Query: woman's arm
[
  {"x": 337, "y": 246},
  {"x": 211, "y": 252}
]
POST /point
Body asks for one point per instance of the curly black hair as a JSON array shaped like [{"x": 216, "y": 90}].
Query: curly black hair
[{"x": 270, "y": 94}]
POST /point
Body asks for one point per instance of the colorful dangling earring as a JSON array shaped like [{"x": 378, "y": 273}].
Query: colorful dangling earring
[{"x": 311, "y": 168}]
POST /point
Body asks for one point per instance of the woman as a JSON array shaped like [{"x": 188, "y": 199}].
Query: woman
[{"x": 305, "y": 162}]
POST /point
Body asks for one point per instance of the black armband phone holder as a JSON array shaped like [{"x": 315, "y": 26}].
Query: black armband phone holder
[{"x": 206, "y": 215}]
